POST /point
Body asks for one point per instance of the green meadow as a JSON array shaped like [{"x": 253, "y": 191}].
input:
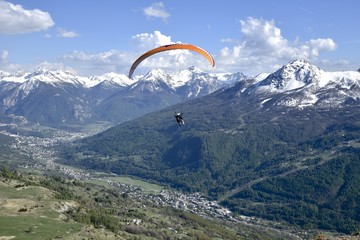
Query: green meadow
[{"x": 32, "y": 212}]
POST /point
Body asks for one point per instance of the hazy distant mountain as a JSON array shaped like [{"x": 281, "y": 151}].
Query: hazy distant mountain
[{"x": 282, "y": 146}]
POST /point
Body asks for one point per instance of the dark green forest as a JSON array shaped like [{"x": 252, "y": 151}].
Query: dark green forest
[{"x": 292, "y": 165}]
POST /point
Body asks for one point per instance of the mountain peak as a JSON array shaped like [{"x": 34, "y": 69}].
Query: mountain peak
[
  {"x": 55, "y": 77},
  {"x": 299, "y": 62},
  {"x": 294, "y": 75},
  {"x": 110, "y": 78},
  {"x": 299, "y": 67},
  {"x": 195, "y": 69},
  {"x": 156, "y": 75},
  {"x": 46, "y": 72},
  {"x": 4, "y": 74}
]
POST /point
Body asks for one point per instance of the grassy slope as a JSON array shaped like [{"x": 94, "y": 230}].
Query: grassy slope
[
  {"x": 35, "y": 207},
  {"x": 31, "y": 212}
]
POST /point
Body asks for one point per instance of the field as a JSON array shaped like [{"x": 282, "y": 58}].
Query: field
[
  {"x": 50, "y": 207},
  {"x": 36, "y": 206},
  {"x": 32, "y": 212},
  {"x": 146, "y": 187}
]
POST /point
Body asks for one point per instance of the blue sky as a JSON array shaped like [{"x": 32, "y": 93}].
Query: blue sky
[{"x": 94, "y": 37}]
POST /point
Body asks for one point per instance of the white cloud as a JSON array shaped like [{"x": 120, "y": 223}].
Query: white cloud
[
  {"x": 262, "y": 35},
  {"x": 67, "y": 34},
  {"x": 98, "y": 63},
  {"x": 146, "y": 41},
  {"x": 55, "y": 66},
  {"x": 120, "y": 61},
  {"x": 156, "y": 10},
  {"x": 3, "y": 56},
  {"x": 14, "y": 19},
  {"x": 262, "y": 47},
  {"x": 5, "y": 65},
  {"x": 338, "y": 65},
  {"x": 170, "y": 61},
  {"x": 87, "y": 63},
  {"x": 318, "y": 45},
  {"x": 103, "y": 57}
]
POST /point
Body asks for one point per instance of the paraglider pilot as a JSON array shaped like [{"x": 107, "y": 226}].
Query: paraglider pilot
[{"x": 179, "y": 118}]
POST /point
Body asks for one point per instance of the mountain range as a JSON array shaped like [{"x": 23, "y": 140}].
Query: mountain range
[
  {"x": 59, "y": 97},
  {"x": 283, "y": 146}
]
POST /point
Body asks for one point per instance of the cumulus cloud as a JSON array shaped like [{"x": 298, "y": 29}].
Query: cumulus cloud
[
  {"x": 318, "y": 45},
  {"x": 54, "y": 66},
  {"x": 171, "y": 61},
  {"x": 14, "y": 19},
  {"x": 3, "y": 56},
  {"x": 103, "y": 57},
  {"x": 6, "y": 65},
  {"x": 98, "y": 63},
  {"x": 120, "y": 61},
  {"x": 261, "y": 35},
  {"x": 260, "y": 47},
  {"x": 262, "y": 44},
  {"x": 156, "y": 10},
  {"x": 150, "y": 40},
  {"x": 67, "y": 34}
]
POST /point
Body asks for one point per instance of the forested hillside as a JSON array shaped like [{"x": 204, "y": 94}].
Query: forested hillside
[{"x": 234, "y": 151}]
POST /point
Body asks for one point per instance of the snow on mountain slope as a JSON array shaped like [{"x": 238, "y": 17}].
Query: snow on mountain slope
[
  {"x": 189, "y": 83},
  {"x": 45, "y": 76},
  {"x": 173, "y": 80},
  {"x": 293, "y": 75},
  {"x": 297, "y": 84},
  {"x": 55, "y": 77},
  {"x": 300, "y": 73},
  {"x": 180, "y": 78},
  {"x": 60, "y": 96},
  {"x": 111, "y": 78},
  {"x": 307, "y": 85},
  {"x": 157, "y": 75}
]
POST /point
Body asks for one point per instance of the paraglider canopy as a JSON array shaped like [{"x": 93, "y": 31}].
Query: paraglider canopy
[{"x": 171, "y": 47}]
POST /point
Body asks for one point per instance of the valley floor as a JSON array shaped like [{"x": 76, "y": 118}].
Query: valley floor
[{"x": 43, "y": 152}]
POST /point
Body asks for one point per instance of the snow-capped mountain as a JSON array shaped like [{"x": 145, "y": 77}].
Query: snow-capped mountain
[
  {"x": 192, "y": 82},
  {"x": 305, "y": 85},
  {"x": 22, "y": 85},
  {"x": 60, "y": 97},
  {"x": 293, "y": 75},
  {"x": 109, "y": 79},
  {"x": 154, "y": 81},
  {"x": 159, "y": 89},
  {"x": 45, "y": 76},
  {"x": 191, "y": 78}
]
